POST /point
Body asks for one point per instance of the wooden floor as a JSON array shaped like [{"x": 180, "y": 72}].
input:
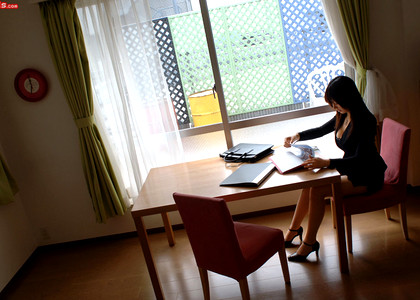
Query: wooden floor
[{"x": 383, "y": 266}]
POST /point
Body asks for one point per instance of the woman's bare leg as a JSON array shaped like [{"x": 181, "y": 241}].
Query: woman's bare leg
[
  {"x": 316, "y": 212},
  {"x": 312, "y": 201},
  {"x": 301, "y": 210},
  {"x": 347, "y": 188}
]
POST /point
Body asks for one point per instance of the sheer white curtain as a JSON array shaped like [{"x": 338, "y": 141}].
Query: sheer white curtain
[
  {"x": 133, "y": 108},
  {"x": 379, "y": 95}
]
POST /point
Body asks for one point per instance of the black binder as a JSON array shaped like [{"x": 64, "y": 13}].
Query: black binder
[
  {"x": 245, "y": 152},
  {"x": 249, "y": 175}
]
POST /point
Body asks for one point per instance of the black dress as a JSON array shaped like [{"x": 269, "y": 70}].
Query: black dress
[{"x": 361, "y": 161}]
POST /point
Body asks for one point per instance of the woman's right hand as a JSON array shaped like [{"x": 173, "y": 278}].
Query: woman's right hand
[{"x": 290, "y": 140}]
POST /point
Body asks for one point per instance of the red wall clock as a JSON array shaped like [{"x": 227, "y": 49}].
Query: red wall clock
[{"x": 31, "y": 85}]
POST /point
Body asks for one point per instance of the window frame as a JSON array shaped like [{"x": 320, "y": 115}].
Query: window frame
[
  {"x": 226, "y": 125},
  {"x": 300, "y": 113}
]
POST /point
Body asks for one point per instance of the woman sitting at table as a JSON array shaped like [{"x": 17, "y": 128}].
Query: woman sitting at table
[{"x": 362, "y": 168}]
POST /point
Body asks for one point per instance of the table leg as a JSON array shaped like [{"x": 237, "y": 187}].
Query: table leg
[
  {"x": 144, "y": 241},
  {"x": 168, "y": 229},
  {"x": 341, "y": 238}
]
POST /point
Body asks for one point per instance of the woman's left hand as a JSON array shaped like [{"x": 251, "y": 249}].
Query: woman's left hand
[{"x": 315, "y": 163}]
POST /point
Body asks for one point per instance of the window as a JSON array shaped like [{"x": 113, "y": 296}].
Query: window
[
  {"x": 143, "y": 72},
  {"x": 266, "y": 49}
]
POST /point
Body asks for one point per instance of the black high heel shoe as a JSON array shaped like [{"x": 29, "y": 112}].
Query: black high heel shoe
[
  {"x": 299, "y": 232},
  {"x": 301, "y": 258}
]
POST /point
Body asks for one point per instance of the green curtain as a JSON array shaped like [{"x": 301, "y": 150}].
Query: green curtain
[
  {"x": 354, "y": 14},
  {"x": 65, "y": 39},
  {"x": 8, "y": 186}
]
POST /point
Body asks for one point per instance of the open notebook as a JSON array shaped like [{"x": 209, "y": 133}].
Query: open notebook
[
  {"x": 249, "y": 175},
  {"x": 290, "y": 159}
]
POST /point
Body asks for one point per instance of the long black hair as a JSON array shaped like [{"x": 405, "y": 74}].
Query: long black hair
[{"x": 344, "y": 92}]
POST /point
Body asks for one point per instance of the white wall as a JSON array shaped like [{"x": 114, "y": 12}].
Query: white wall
[
  {"x": 40, "y": 140},
  {"x": 17, "y": 240},
  {"x": 394, "y": 50},
  {"x": 411, "y": 89},
  {"x": 40, "y": 144}
]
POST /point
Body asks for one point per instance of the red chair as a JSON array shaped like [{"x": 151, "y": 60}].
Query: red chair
[
  {"x": 395, "y": 142},
  {"x": 226, "y": 247}
]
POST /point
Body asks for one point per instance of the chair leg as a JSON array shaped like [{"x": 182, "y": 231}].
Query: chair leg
[
  {"x": 348, "y": 234},
  {"x": 403, "y": 217},
  {"x": 388, "y": 213},
  {"x": 334, "y": 219},
  {"x": 243, "y": 283},
  {"x": 205, "y": 283},
  {"x": 284, "y": 265}
]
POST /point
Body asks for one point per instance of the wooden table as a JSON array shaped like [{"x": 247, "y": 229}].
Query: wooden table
[{"x": 203, "y": 178}]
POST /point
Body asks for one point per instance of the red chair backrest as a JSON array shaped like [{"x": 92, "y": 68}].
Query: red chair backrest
[
  {"x": 211, "y": 232},
  {"x": 395, "y": 141}
]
